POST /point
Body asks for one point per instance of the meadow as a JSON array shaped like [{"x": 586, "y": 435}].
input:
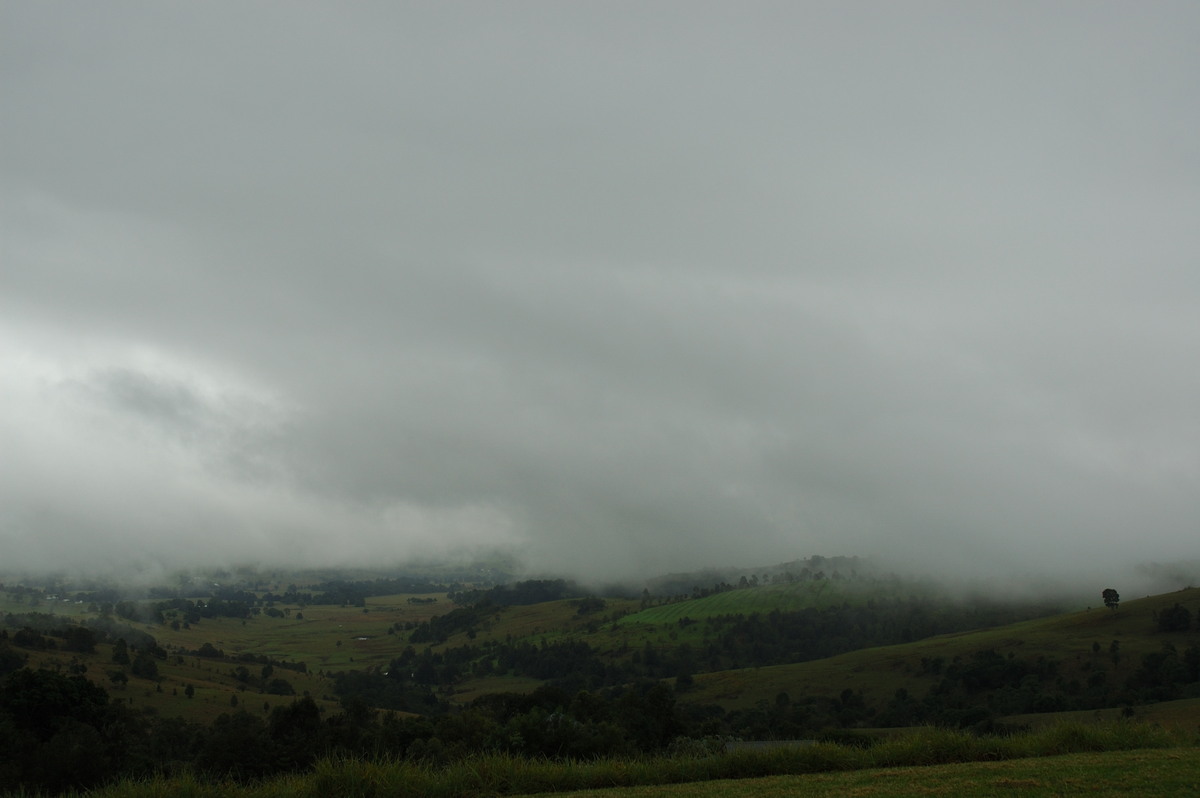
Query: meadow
[
  {"x": 329, "y": 639},
  {"x": 325, "y": 638},
  {"x": 1077, "y": 641},
  {"x": 1119, "y": 759},
  {"x": 785, "y": 597},
  {"x": 368, "y": 635}
]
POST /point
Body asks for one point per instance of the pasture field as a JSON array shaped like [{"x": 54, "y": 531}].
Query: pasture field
[
  {"x": 1182, "y": 715},
  {"x": 214, "y": 688},
  {"x": 332, "y": 638},
  {"x": 1113, "y": 774},
  {"x": 67, "y": 608},
  {"x": 786, "y": 597},
  {"x": 1078, "y": 640},
  {"x": 326, "y": 638},
  {"x": 549, "y": 621},
  {"x": 1118, "y": 759}
]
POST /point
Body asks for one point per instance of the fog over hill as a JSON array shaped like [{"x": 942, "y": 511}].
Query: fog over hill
[{"x": 617, "y": 288}]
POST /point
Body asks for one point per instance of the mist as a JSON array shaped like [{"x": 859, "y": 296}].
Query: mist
[{"x": 616, "y": 290}]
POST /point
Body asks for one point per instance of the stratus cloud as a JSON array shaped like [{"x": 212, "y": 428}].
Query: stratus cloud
[
  {"x": 628, "y": 292},
  {"x": 137, "y": 459}
]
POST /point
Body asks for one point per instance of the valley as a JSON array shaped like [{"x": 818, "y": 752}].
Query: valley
[{"x": 454, "y": 668}]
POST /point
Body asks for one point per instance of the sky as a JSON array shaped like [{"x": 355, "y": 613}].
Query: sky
[{"x": 618, "y": 287}]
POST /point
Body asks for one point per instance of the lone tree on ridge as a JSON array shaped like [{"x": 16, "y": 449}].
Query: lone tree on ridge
[{"x": 1111, "y": 598}]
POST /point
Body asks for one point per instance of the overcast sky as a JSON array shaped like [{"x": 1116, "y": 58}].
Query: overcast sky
[{"x": 626, "y": 287}]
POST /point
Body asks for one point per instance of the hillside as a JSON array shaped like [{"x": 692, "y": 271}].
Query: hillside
[
  {"x": 1090, "y": 655},
  {"x": 258, "y": 679},
  {"x": 776, "y": 635}
]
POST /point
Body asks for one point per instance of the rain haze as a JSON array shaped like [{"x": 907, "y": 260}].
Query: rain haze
[{"x": 620, "y": 288}]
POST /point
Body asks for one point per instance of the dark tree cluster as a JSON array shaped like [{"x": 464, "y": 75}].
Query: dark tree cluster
[
  {"x": 462, "y": 619},
  {"x": 1165, "y": 675},
  {"x": 193, "y": 611},
  {"x": 56, "y": 731},
  {"x": 974, "y": 690},
  {"x": 81, "y": 637},
  {"x": 345, "y": 593},
  {"x": 10, "y": 658},
  {"x": 741, "y": 641},
  {"x": 1176, "y": 619},
  {"x": 727, "y": 642},
  {"x": 533, "y": 591}
]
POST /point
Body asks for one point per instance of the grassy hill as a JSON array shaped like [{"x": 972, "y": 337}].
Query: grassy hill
[
  {"x": 586, "y": 678},
  {"x": 326, "y": 639},
  {"x": 784, "y": 597},
  {"x": 1081, "y": 643},
  {"x": 330, "y": 639}
]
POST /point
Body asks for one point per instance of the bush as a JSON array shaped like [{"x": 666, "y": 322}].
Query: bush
[{"x": 1176, "y": 619}]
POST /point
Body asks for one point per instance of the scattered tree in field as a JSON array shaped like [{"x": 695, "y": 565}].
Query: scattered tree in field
[
  {"x": 1111, "y": 598},
  {"x": 144, "y": 666},
  {"x": 209, "y": 650}
]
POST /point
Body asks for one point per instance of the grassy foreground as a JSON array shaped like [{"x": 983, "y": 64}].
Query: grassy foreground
[
  {"x": 1074, "y": 758},
  {"x": 1115, "y": 774}
]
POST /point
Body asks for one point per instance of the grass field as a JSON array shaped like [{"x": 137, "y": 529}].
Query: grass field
[
  {"x": 1183, "y": 715},
  {"x": 1118, "y": 774},
  {"x": 1118, "y": 759},
  {"x": 785, "y": 597},
  {"x": 878, "y": 672},
  {"x": 330, "y": 639},
  {"x": 326, "y": 639}
]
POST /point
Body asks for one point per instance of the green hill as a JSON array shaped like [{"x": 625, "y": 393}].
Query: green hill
[
  {"x": 260, "y": 683},
  {"x": 1080, "y": 657},
  {"x": 1083, "y": 650}
]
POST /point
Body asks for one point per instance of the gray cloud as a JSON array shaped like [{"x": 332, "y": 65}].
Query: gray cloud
[{"x": 626, "y": 288}]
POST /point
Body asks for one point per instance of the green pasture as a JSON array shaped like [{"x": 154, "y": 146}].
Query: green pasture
[
  {"x": 786, "y": 597},
  {"x": 549, "y": 621},
  {"x": 68, "y": 608},
  {"x": 1118, "y": 759},
  {"x": 329, "y": 639},
  {"x": 326, "y": 639},
  {"x": 555, "y": 621},
  {"x": 1098, "y": 775},
  {"x": 1183, "y": 715},
  {"x": 471, "y": 689},
  {"x": 1072, "y": 639},
  {"x": 211, "y": 680}
]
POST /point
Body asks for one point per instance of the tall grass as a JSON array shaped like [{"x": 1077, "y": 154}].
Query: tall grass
[{"x": 501, "y": 774}]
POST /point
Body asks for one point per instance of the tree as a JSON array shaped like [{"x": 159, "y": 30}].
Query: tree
[
  {"x": 209, "y": 650},
  {"x": 1111, "y": 598},
  {"x": 144, "y": 666},
  {"x": 279, "y": 687},
  {"x": 79, "y": 638},
  {"x": 54, "y": 729},
  {"x": 10, "y": 660},
  {"x": 1176, "y": 619}
]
